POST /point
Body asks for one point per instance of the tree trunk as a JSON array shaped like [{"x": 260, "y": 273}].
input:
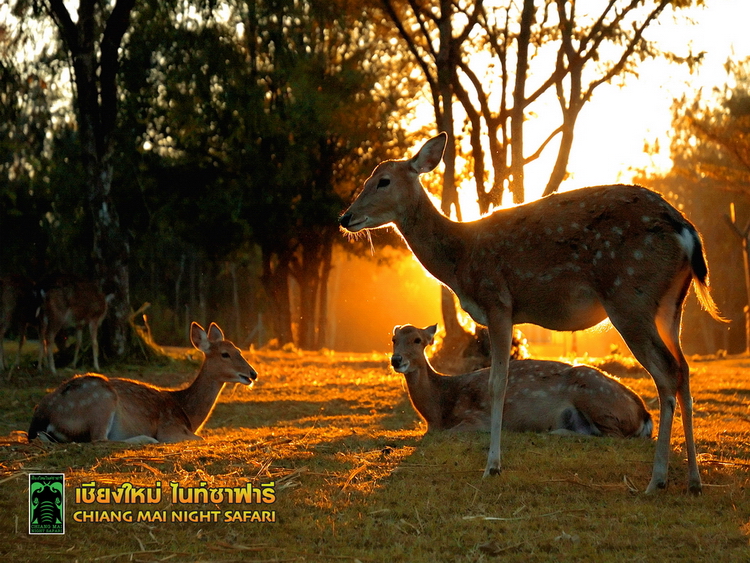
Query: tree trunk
[
  {"x": 236, "y": 303},
  {"x": 519, "y": 104},
  {"x": 308, "y": 282},
  {"x": 325, "y": 274},
  {"x": 178, "y": 296},
  {"x": 275, "y": 280},
  {"x": 560, "y": 169},
  {"x": 95, "y": 77},
  {"x": 446, "y": 68}
]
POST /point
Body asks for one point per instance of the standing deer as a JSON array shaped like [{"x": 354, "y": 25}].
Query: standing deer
[
  {"x": 564, "y": 262},
  {"x": 542, "y": 396},
  {"x": 19, "y": 303},
  {"x": 69, "y": 300},
  {"x": 92, "y": 407}
]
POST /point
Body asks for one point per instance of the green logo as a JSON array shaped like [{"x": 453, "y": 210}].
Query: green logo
[{"x": 46, "y": 503}]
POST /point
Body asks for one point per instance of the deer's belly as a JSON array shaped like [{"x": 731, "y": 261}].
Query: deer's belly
[{"x": 562, "y": 307}]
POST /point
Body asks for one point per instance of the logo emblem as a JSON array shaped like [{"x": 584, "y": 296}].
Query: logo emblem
[{"x": 46, "y": 503}]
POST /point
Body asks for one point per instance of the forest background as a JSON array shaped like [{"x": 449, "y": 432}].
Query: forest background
[{"x": 195, "y": 155}]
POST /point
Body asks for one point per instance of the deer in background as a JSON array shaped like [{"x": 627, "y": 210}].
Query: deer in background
[
  {"x": 564, "y": 262},
  {"x": 19, "y": 303},
  {"x": 92, "y": 407},
  {"x": 69, "y": 300},
  {"x": 542, "y": 396}
]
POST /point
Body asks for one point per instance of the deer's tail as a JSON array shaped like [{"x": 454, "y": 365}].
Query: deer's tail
[{"x": 693, "y": 246}]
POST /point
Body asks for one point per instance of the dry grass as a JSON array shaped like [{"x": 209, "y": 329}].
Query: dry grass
[{"x": 357, "y": 480}]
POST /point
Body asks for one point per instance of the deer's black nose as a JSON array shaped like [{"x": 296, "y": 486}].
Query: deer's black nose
[
  {"x": 396, "y": 361},
  {"x": 345, "y": 220}
]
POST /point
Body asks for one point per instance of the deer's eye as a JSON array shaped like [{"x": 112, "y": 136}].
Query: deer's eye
[
  {"x": 225, "y": 354},
  {"x": 417, "y": 340},
  {"x": 383, "y": 182}
]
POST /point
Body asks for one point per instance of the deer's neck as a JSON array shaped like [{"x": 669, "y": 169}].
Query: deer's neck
[
  {"x": 436, "y": 241},
  {"x": 425, "y": 392},
  {"x": 198, "y": 399}
]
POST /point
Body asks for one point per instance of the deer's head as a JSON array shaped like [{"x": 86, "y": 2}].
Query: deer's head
[
  {"x": 224, "y": 361},
  {"x": 392, "y": 190},
  {"x": 409, "y": 343}
]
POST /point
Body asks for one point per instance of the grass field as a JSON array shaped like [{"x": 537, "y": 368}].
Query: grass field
[{"x": 355, "y": 478}]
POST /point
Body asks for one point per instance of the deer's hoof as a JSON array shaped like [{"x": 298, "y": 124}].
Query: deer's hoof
[
  {"x": 491, "y": 471},
  {"x": 655, "y": 486},
  {"x": 695, "y": 489}
]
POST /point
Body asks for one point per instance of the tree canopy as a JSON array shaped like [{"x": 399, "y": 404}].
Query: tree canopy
[{"x": 196, "y": 155}]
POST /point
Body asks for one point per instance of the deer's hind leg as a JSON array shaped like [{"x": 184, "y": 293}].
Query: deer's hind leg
[
  {"x": 653, "y": 337},
  {"x": 668, "y": 322},
  {"x": 81, "y": 410},
  {"x": 79, "y": 337},
  {"x": 94, "y": 333}
]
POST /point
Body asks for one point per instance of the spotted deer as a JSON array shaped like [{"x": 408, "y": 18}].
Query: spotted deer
[
  {"x": 564, "y": 262},
  {"x": 69, "y": 300},
  {"x": 542, "y": 396},
  {"x": 92, "y": 407},
  {"x": 19, "y": 302}
]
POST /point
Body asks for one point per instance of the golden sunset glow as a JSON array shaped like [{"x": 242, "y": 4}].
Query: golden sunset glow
[{"x": 622, "y": 118}]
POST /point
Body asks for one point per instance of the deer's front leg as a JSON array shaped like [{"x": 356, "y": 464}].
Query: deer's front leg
[{"x": 500, "y": 327}]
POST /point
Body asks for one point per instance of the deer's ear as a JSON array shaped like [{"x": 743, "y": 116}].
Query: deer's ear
[
  {"x": 198, "y": 337},
  {"x": 430, "y": 155},
  {"x": 431, "y": 330},
  {"x": 215, "y": 334}
]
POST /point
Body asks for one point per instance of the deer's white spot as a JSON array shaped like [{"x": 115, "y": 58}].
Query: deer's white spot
[
  {"x": 559, "y": 229},
  {"x": 598, "y": 255},
  {"x": 686, "y": 241},
  {"x": 574, "y": 225},
  {"x": 617, "y": 230},
  {"x": 645, "y": 218},
  {"x": 612, "y": 254},
  {"x": 638, "y": 255},
  {"x": 618, "y": 282},
  {"x": 630, "y": 271}
]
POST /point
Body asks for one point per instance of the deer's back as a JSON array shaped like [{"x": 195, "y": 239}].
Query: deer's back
[
  {"x": 74, "y": 298},
  {"x": 127, "y": 407},
  {"x": 579, "y": 248},
  {"x": 142, "y": 409}
]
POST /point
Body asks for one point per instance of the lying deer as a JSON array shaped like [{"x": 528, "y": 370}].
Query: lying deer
[
  {"x": 92, "y": 407},
  {"x": 19, "y": 303},
  {"x": 69, "y": 300},
  {"x": 542, "y": 396},
  {"x": 564, "y": 262}
]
